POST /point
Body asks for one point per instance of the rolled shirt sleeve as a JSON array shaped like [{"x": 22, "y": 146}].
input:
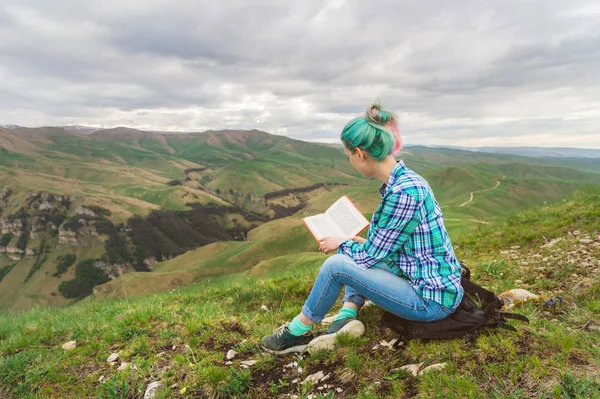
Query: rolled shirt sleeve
[{"x": 399, "y": 217}]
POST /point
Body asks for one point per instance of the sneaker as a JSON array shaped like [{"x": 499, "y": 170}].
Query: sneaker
[
  {"x": 282, "y": 341},
  {"x": 349, "y": 325}
]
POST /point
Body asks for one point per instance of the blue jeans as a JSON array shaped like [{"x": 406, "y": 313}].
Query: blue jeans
[{"x": 381, "y": 286}]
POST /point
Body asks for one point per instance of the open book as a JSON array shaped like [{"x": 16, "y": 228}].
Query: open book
[{"x": 342, "y": 219}]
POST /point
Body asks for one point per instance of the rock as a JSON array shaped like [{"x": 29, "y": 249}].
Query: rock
[
  {"x": 433, "y": 367},
  {"x": 229, "y": 363},
  {"x": 123, "y": 366},
  {"x": 586, "y": 241},
  {"x": 248, "y": 363},
  {"x": 80, "y": 210},
  {"x": 515, "y": 247},
  {"x": 152, "y": 389},
  {"x": 68, "y": 346},
  {"x": 101, "y": 378},
  {"x": 264, "y": 308},
  {"x": 112, "y": 358},
  {"x": 576, "y": 233},
  {"x": 315, "y": 378},
  {"x": 516, "y": 296},
  {"x": 412, "y": 368},
  {"x": 390, "y": 344},
  {"x": 230, "y": 354},
  {"x": 583, "y": 284}
]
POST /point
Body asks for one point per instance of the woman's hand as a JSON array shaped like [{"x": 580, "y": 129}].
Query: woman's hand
[
  {"x": 328, "y": 244},
  {"x": 359, "y": 240}
]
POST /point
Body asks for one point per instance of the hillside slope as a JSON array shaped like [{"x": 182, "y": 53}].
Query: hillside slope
[
  {"x": 180, "y": 338},
  {"x": 151, "y": 185}
]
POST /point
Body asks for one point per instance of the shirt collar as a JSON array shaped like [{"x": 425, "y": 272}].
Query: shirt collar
[{"x": 397, "y": 171}]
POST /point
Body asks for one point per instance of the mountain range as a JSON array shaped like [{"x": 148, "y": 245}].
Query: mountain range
[{"x": 93, "y": 211}]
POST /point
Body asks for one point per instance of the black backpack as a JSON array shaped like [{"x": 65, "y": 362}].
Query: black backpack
[{"x": 467, "y": 321}]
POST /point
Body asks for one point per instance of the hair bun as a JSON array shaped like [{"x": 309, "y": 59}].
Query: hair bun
[{"x": 373, "y": 114}]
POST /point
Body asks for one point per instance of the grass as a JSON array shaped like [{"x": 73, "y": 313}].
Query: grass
[{"x": 180, "y": 337}]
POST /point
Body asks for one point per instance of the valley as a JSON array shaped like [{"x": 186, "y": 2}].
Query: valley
[{"x": 192, "y": 207}]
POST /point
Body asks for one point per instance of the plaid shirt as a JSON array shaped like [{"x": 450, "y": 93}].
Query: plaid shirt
[{"x": 407, "y": 234}]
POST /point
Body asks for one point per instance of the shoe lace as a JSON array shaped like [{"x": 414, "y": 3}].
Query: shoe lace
[{"x": 279, "y": 330}]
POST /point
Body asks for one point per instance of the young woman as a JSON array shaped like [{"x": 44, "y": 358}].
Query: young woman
[{"x": 406, "y": 265}]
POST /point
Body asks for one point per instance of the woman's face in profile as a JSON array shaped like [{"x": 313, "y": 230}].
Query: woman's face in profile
[{"x": 359, "y": 162}]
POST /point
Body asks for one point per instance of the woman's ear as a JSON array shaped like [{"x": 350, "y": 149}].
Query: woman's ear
[{"x": 361, "y": 153}]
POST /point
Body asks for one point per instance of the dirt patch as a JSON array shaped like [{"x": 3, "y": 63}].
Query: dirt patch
[{"x": 234, "y": 326}]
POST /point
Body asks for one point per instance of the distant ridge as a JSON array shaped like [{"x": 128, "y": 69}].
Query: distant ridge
[{"x": 552, "y": 152}]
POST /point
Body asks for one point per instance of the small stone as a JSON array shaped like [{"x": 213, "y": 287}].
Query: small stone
[
  {"x": 264, "y": 308},
  {"x": 576, "y": 233},
  {"x": 101, "y": 378},
  {"x": 174, "y": 347},
  {"x": 248, "y": 363},
  {"x": 123, "y": 366},
  {"x": 433, "y": 367},
  {"x": 412, "y": 368},
  {"x": 375, "y": 347},
  {"x": 295, "y": 381},
  {"x": 68, "y": 346},
  {"x": 293, "y": 396},
  {"x": 515, "y": 247},
  {"x": 112, "y": 358},
  {"x": 390, "y": 344},
  {"x": 516, "y": 296},
  {"x": 586, "y": 241},
  {"x": 152, "y": 389},
  {"x": 315, "y": 378},
  {"x": 339, "y": 390},
  {"x": 229, "y": 363},
  {"x": 230, "y": 354}
]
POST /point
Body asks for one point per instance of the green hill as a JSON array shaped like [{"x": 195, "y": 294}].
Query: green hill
[
  {"x": 180, "y": 337},
  {"x": 248, "y": 189}
]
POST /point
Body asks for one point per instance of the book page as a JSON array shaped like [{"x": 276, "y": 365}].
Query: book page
[
  {"x": 348, "y": 219},
  {"x": 322, "y": 226}
]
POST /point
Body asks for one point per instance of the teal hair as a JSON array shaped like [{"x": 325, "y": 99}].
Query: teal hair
[{"x": 367, "y": 132}]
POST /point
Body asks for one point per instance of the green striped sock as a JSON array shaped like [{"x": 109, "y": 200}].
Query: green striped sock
[{"x": 346, "y": 313}]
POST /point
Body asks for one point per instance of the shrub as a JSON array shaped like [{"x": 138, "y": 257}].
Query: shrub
[
  {"x": 63, "y": 263},
  {"x": 23, "y": 240},
  {"x": 5, "y": 239},
  {"x": 174, "y": 183},
  {"x": 87, "y": 276}
]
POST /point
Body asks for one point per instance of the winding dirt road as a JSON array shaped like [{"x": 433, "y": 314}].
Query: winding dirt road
[{"x": 472, "y": 194}]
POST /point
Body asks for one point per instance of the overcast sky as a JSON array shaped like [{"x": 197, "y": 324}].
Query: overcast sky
[{"x": 467, "y": 73}]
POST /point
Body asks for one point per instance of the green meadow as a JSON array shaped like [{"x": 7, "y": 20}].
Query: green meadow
[{"x": 180, "y": 337}]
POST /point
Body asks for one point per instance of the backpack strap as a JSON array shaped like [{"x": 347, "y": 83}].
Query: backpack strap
[{"x": 484, "y": 295}]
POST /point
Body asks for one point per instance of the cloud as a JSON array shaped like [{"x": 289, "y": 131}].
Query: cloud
[{"x": 460, "y": 73}]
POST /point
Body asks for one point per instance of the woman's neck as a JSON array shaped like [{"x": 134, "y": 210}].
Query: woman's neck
[{"x": 384, "y": 169}]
